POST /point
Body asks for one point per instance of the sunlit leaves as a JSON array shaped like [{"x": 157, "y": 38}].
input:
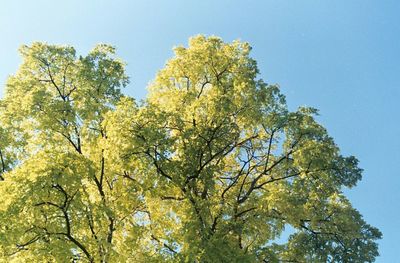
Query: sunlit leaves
[{"x": 211, "y": 167}]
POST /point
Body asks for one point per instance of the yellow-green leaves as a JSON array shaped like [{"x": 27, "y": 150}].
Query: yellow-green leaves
[
  {"x": 63, "y": 196},
  {"x": 245, "y": 166},
  {"x": 211, "y": 167}
]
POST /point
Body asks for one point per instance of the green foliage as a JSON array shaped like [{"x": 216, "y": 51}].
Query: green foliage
[{"x": 211, "y": 167}]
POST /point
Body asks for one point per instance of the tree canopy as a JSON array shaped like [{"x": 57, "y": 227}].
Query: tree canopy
[{"x": 210, "y": 167}]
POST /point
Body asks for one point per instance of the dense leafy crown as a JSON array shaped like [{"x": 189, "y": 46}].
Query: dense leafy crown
[{"x": 211, "y": 167}]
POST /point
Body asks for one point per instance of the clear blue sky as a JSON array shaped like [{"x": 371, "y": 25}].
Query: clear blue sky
[{"x": 342, "y": 57}]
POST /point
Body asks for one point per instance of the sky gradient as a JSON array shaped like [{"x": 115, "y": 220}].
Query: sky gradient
[{"x": 342, "y": 57}]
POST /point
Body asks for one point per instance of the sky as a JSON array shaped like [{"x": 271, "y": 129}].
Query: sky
[{"x": 342, "y": 57}]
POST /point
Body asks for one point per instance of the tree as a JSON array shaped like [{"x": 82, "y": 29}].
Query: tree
[{"x": 211, "y": 167}]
